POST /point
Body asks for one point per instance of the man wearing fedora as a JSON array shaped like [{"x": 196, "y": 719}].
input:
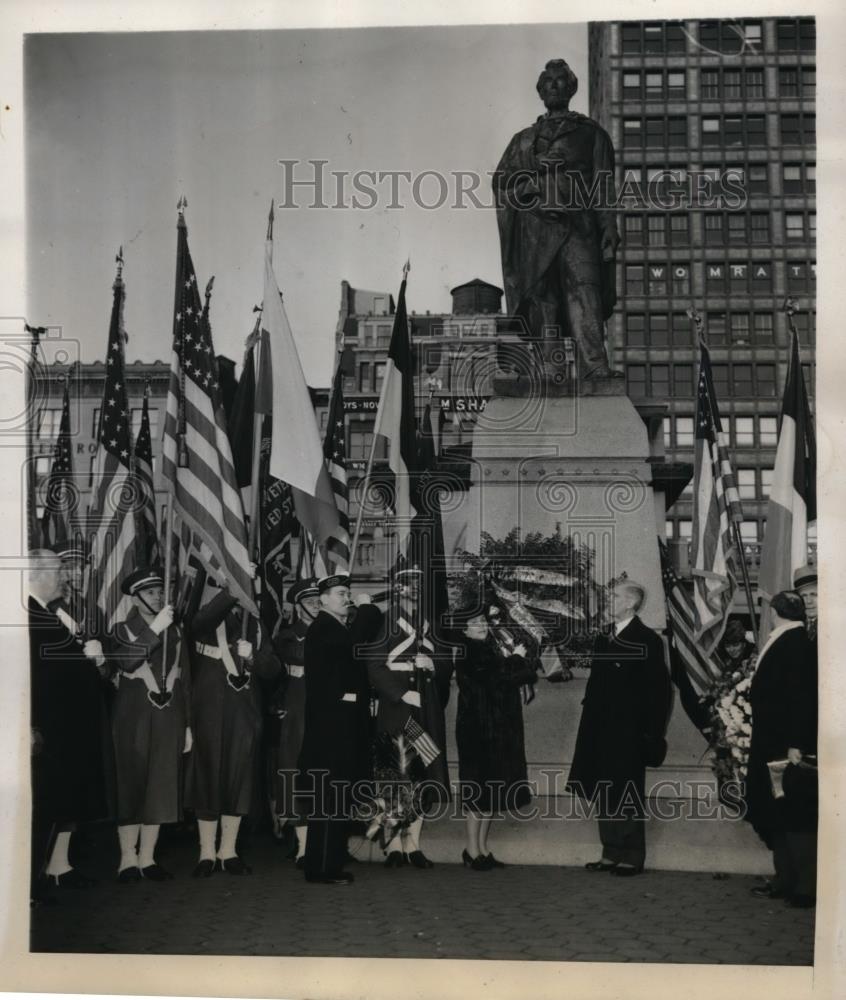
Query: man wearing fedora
[
  {"x": 288, "y": 708},
  {"x": 335, "y": 753},
  {"x": 805, "y": 584},
  {"x": 150, "y": 723}
]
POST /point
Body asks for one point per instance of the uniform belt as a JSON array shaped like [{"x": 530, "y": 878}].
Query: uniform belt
[
  {"x": 296, "y": 670},
  {"x": 213, "y": 652},
  {"x": 350, "y": 696},
  {"x": 406, "y": 666}
]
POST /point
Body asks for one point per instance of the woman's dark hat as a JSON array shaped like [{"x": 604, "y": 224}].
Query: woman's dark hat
[{"x": 735, "y": 632}]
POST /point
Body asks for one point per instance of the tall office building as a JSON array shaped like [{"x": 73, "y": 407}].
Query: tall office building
[{"x": 724, "y": 108}]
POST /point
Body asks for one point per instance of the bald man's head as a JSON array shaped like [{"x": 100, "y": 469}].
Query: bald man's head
[{"x": 45, "y": 575}]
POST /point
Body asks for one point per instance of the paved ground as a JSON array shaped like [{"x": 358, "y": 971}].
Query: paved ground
[{"x": 521, "y": 912}]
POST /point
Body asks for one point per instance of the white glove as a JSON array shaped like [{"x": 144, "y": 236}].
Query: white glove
[
  {"x": 519, "y": 650},
  {"x": 93, "y": 649},
  {"x": 424, "y": 662},
  {"x": 245, "y": 649},
  {"x": 253, "y": 570},
  {"x": 412, "y": 698},
  {"x": 189, "y": 740},
  {"x": 363, "y": 599},
  {"x": 163, "y": 620}
]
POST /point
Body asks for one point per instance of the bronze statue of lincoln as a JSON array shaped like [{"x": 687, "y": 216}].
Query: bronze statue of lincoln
[{"x": 554, "y": 190}]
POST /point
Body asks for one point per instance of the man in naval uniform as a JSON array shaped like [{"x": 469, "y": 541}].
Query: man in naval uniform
[
  {"x": 335, "y": 753},
  {"x": 68, "y": 779},
  {"x": 151, "y": 723},
  {"x": 410, "y": 674},
  {"x": 226, "y": 721},
  {"x": 289, "y": 708}
]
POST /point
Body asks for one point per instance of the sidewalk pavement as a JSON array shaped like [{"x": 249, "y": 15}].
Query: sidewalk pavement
[{"x": 522, "y": 912}]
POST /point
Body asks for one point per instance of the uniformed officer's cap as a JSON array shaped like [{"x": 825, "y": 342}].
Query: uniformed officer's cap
[
  {"x": 407, "y": 573},
  {"x": 301, "y": 590},
  {"x": 69, "y": 549},
  {"x": 140, "y": 579},
  {"x": 805, "y": 575},
  {"x": 328, "y": 582}
]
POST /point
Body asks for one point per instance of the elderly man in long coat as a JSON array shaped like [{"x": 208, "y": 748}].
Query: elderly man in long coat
[
  {"x": 621, "y": 733},
  {"x": 335, "y": 753}
]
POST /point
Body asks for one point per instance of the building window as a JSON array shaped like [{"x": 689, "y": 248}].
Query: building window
[
  {"x": 766, "y": 483},
  {"x": 677, "y": 133},
  {"x": 767, "y": 431},
  {"x": 710, "y": 84},
  {"x": 635, "y": 330},
  {"x": 659, "y": 333},
  {"x": 654, "y": 88},
  {"x": 799, "y": 129},
  {"x": 676, "y": 85},
  {"x": 632, "y": 133},
  {"x": 634, "y": 279},
  {"x": 633, "y": 229},
  {"x": 753, "y": 84},
  {"x": 681, "y": 330},
  {"x": 682, "y": 380},
  {"x": 762, "y": 326},
  {"x": 794, "y": 226},
  {"x": 668, "y": 530},
  {"x": 49, "y": 421},
  {"x": 656, "y": 132},
  {"x": 685, "y": 530},
  {"x": 796, "y": 34},
  {"x": 738, "y": 278},
  {"x": 153, "y": 416},
  {"x": 657, "y": 275},
  {"x": 364, "y": 376},
  {"x": 667, "y": 427},
  {"x": 631, "y": 86},
  {"x": 766, "y": 378},
  {"x": 758, "y": 181},
  {"x": 759, "y": 227},
  {"x": 730, "y": 36},
  {"x": 684, "y": 432},
  {"x": 710, "y": 131},
  {"x": 740, "y": 328},
  {"x": 736, "y": 227},
  {"x": 746, "y": 484},
  {"x": 660, "y": 378},
  {"x": 713, "y": 228},
  {"x": 741, "y": 377},
  {"x": 636, "y": 380},
  {"x": 681, "y": 279},
  {"x": 744, "y": 433},
  {"x": 378, "y": 376},
  {"x": 800, "y": 276},
  {"x": 716, "y": 328},
  {"x": 653, "y": 38},
  {"x": 808, "y": 77},
  {"x": 719, "y": 374},
  {"x": 656, "y": 227},
  {"x": 749, "y": 532},
  {"x": 762, "y": 277},
  {"x": 679, "y": 229}
]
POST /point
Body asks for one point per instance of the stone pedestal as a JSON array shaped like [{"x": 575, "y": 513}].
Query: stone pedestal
[{"x": 580, "y": 461}]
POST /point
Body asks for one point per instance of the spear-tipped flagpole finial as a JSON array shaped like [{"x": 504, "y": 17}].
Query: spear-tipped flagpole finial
[
  {"x": 119, "y": 262},
  {"x": 270, "y": 222},
  {"x": 181, "y": 205},
  {"x": 209, "y": 286},
  {"x": 695, "y": 317},
  {"x": 789, "y": 306},
  {"x": 405, "y": 269}
]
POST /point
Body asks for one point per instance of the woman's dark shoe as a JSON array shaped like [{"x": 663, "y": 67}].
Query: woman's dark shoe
[
  {"x": 155, "y": 873},
  {"x": 493, "y": 862},
  {"x": 600, "y": 866},
  {"x": 478, "y": 864},
  {"x": 396, "y": 859},
  {"x": 128, "y": 875},
  {"x": 72, "y": 879},
  {"x": 203, "y": 869},
  {"x": 419, "y": 860},
  {"x": 626, "y": 871},
  {"x": 300, "y": 863},
  {"x": 233, "y": 866}
]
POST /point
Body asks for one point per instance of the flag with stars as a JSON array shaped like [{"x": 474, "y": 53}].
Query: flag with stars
[
  {"x": 335, "y": 453},
  {"x": 196, "y": 453},
  {"x": 59, "y": 492},
  {"x": 147, "y": 541},
  {"x": 115, "y": 497},
  {"x": 716, "y": 506}
]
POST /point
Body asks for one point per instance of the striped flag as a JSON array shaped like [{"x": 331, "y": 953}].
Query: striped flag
[
  {"x": 296, "y": 454},
  {"x": 147, "y": 543},
  {"x": 335, "y": 453},
  {"x": 115, "y": 502},
  {"x": 793, "y": 496},
  {"x": 196, "y": 454},
  {"x": 396, "y": 421},
  {"x": 702, "y": 669},
  {"x": 421, "y": 741},
  {"x": 60, "y": 489},
  {"x": 716, "y": 506}
]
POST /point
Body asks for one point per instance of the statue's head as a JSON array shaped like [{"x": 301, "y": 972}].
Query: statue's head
[{"x": 557, "y": 84}]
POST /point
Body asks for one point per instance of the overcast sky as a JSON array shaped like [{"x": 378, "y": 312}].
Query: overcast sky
[{"x": 119, "y": 126}]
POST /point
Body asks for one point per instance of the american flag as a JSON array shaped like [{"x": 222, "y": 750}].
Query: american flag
[
  {"x": 196, "y": 454},
  {"x": 59, "y": 493},
  {"x": 147, "y": 542},
  {"x": 716, "y": 506},
  {"x": 115, "y": 500},
  {"x": 335, "y": 453},
  {"x": 702, "y": 670},
  {"x": 421, "y": 741}
]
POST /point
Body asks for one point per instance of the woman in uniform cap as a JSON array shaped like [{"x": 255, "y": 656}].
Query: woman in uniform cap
[{"x": 150, "y": 723}]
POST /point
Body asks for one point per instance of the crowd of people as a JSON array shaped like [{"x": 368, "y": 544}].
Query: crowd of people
[{"x": 341, "y": 716}]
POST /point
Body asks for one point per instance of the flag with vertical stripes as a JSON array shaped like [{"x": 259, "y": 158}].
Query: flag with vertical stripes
[
  {"x": 793, "y": 497},
  {"x": 396, "y": 421},
  {"x": 196, "y": 454},
  {"x": 59, "y": 493},
  {"x": 716, "y": 506},
  {"x": 147, "y": 543},
  {"x": 115, "y": 496},
  {"x": 702, "y": 669},
  {"x": 335, "y": 453},
  {"x": 296, "y": 453}
]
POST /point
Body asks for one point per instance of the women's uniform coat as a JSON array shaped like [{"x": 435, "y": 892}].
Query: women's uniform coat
[
  {"x": 150, "y": 713},
  {"x": 783, "y": 696},
  {"x": 226, "y": 711},
  {"x": 489, "y": 726}
]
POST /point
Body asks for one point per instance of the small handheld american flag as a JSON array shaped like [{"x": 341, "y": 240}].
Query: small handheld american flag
[{"x": 421, "y": 741}]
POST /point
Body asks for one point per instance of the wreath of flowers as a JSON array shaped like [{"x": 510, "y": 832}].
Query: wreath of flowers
[{"x": 731, "y": 723}]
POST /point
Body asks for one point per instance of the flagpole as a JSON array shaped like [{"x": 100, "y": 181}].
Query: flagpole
[
  {"x": 699, "y": 327},
  {"x": 31, "y": 379},
  {"x": 255, "y": 490},
  {"x": 369, "y": 470}
]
